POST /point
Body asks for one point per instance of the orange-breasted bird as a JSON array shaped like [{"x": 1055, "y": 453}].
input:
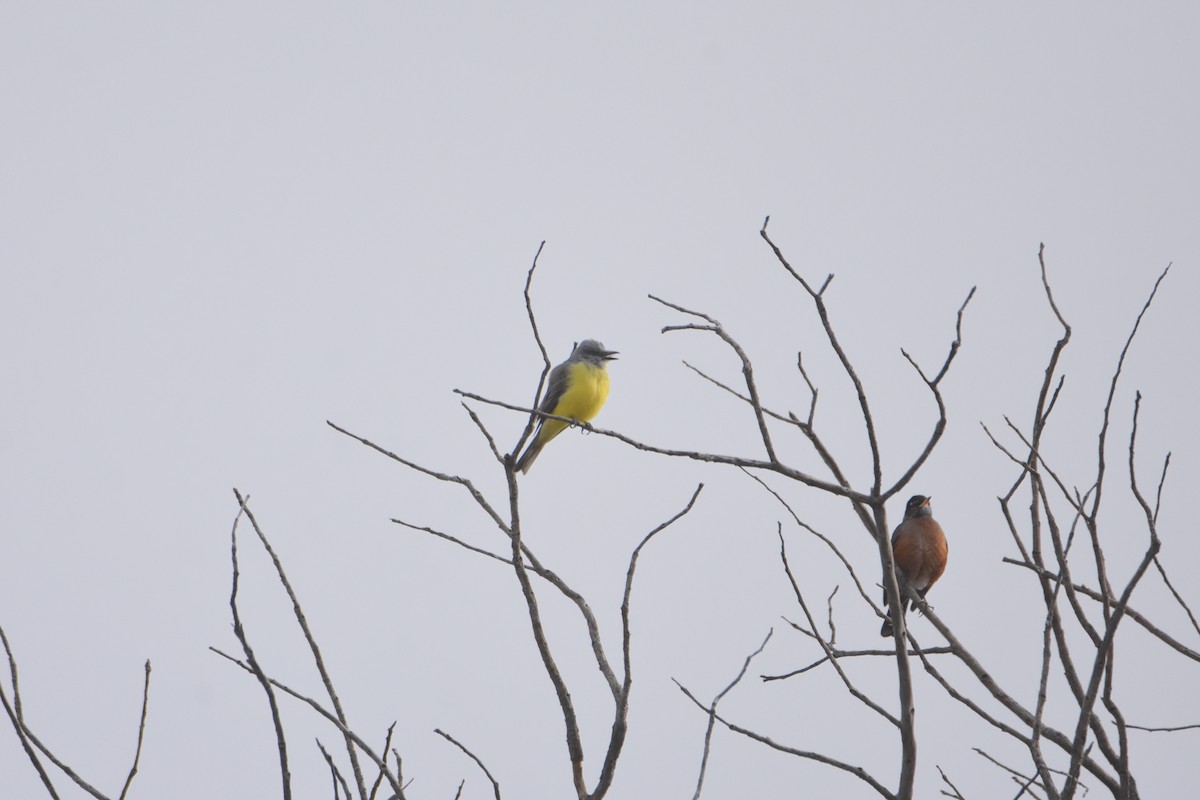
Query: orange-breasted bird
[{"x": 919, "y": 549}]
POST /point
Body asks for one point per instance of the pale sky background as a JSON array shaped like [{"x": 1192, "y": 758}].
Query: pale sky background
[{"x": 222, "y": 224}]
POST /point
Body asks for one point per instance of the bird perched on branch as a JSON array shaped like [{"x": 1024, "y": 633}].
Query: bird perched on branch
[
  {"x": 578, "y": 388},
  {"x": 919, "y": 550}
]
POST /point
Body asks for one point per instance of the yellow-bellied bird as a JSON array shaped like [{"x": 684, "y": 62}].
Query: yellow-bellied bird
[
  {"x": 919, "y": 549},
  {"x": 578, "y": 389}
]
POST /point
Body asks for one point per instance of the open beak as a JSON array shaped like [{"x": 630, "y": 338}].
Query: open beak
[{"x": 610, "y": 355}]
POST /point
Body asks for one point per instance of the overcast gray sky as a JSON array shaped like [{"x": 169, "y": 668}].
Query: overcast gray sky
[{"x": 222, "y": 224}]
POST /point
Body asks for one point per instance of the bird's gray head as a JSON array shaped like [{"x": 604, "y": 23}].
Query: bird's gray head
[
  {"x": 591, "y": 350},
  {"x": 918, "y": 506}
]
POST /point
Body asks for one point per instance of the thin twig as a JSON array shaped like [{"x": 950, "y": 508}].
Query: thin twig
[
  {"x": 747, "y": 369},
  {"x": 847, "y": 367},
  {"x": 825, "y": 646},
  {"x": 711, "y": 458},
  {"x": 318, "y": 659},
  {"x": 857, "y": 772},
  {"x": 1132, "y": 613},
  {"x": 393, "y": 780},
  {"x": 476, "y": 495},
  {"x": 812, "y": 390},
  {"x": 1006, "y": 700},
  {"x": 729, "y": 389},
  {"x": 1018, "y": 777},
  {"x": 251, "y": 661},
  {"x": 137, "y": 755},
  {"x": 620, "y": 724},
  {"x": 15, "y": 716},
  {"x": 837, "y": 653},
  {"x": 473, "y": 757},
  {"x": 954, "y": 792},
  {"x": 1165, "y": 730},
  {"x": 1104, "y": 652},
  {"x": 486, "y": 434},
  {"x": 829, "y": 606},
  {"x": 387, "y": 743},
  {"x": 828, "y": 542},
  {"x": 510, "y": 460},
  {"x": 712, "y": 710},
  {"x": 1112, "y": 389},
  {"x": 566, "y": 705},
  {"x": 334, "y": 773},
  {"x": 939, "y": 427},
  {"x": 454, "y": 539}
]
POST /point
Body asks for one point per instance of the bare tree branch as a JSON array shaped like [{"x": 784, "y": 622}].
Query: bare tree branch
[
  {"x": 839, "y": 653},
  {"x": 15, "y": 716},
  {"x": 828, "y": 542},
  {"x": 712, "y": 710},
  {"x": 137, "y": 755},
  {"x": 393, "y": 779},
  {"x": 939, "y": 427},
  {"x": 387, "y": 743},
  {"x": 829, "y": 651},
  {"x": 819, "y": 301},
  {"x": 1004, "y": 698},
  {"x": 1024, "y": 782},
  {"x": 694, "y": 455},
  {"x": 473, "y": 757},
  {"x": 857, "y": 772},
  {"x": 546, "y": 365},
  {"x": 454, "y": 539},
  {"x": 620, "y": 717},
  {"x": 252, "y": 662},
  {"x": 1165, "y": 730},
  {"x": 1112, "y": 391},
  {"x": 566, "y": 705},
  {"x": 747, "y": 368},
  {"x": 1133, "y": 614},
  {"x": 829, "y": 609},
  {"x": 476, "y": 495},
  {"x": 318, "y": 660},
  {"x": 32, "y": 745},
  {"x": 483, "y": 429},
  {"x": 334, "y": 773},
  {"x": 954, "y": 792}
]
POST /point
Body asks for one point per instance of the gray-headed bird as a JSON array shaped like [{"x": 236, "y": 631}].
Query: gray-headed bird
[{"x": 578, "y": 388}]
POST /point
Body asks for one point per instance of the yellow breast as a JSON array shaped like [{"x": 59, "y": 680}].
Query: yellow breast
[{"x": 587, "y": 389}]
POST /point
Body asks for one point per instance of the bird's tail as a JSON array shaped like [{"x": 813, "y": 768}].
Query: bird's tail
[
  {"x": 887, "y": 629},
  {"x": 531, "y": 453}
]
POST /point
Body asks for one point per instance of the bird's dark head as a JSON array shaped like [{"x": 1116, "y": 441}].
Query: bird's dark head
[
  {"x": 592, "y": 350},
  {"x": 918, "y": 506}
]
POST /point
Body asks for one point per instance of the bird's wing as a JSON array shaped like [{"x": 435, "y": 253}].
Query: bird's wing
[
  {"x": 559, "y": 378},
  {"x": 895, "y": 536}
]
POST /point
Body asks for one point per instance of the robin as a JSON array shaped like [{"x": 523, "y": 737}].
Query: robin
[{"x": 919, "y": 549}]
